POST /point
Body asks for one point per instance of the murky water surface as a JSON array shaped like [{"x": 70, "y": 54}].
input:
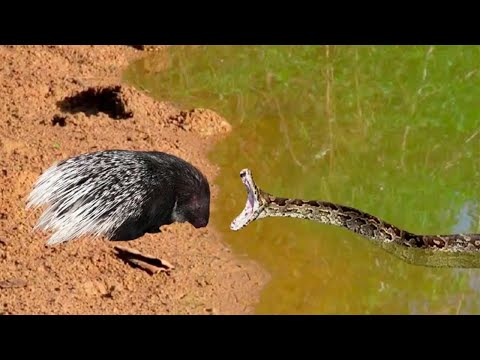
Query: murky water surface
[{"x": 391, "y": 130}]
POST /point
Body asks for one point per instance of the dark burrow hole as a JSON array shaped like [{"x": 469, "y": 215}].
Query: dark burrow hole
[{"x": 94, "y": 100}]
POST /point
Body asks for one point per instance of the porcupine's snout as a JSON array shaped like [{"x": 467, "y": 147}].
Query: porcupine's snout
[{"x": 200, "y": 223}]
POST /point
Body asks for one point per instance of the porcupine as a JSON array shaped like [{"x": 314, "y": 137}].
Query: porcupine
[{"x": 119, "y": 194}]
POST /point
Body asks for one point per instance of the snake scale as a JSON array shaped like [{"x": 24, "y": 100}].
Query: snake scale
[{"x": 261, "y": 204}]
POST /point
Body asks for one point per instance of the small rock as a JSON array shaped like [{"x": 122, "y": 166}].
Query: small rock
[
  {"x": 95, "y": 288},
  {"x": 12, "y": 283}
]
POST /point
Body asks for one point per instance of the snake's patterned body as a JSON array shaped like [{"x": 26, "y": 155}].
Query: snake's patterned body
[
  {"x": 365, "y": 224},
  {"x": 261, "y": 204}
]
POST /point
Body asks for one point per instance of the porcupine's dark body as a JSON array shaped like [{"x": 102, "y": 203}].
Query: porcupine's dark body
[{"x": 121, "y": 194}]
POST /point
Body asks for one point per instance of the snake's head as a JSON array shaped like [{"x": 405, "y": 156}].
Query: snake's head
[{"x": 254, "y": 205}]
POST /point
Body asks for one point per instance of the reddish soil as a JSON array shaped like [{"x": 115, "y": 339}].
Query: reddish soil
[{"x": 59, "y": 101}]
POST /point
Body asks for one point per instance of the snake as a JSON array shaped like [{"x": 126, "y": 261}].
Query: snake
[{"x": 458, "y": 250}]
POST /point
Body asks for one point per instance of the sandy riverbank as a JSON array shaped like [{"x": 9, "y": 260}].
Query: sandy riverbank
[{"x": 49, "y": 114}]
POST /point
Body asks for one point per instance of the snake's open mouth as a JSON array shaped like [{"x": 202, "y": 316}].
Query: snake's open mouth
[{"x": 252, "y": 207}]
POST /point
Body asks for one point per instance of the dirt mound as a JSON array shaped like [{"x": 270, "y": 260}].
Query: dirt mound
[{"x": 57, "y": 102}]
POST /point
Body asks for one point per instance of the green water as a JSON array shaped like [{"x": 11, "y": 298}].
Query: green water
[{"x": 391, "y": 130}]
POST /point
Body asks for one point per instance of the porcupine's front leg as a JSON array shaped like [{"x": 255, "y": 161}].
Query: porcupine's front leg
[
  {"x": 153, "y": 230},
  {"x": 129, "y": 230},
  {"x": 156, "y": 227},
  {"x": 136, "y": 228}
]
